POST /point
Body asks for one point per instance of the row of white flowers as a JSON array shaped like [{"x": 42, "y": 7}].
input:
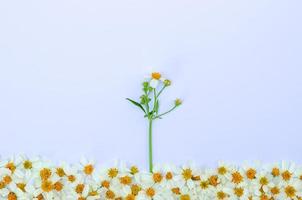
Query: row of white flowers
[{"x": 24, "y": 178}]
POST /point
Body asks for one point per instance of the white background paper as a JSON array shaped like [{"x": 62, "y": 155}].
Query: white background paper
[{"x": 67, "y": 66}]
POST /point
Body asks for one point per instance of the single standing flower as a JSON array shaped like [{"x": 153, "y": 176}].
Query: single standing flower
[{"x": 149, "y": 104}]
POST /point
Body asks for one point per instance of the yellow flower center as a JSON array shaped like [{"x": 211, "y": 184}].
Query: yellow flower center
[
  {"x": 105, "y": 184},
  {"x": 46, "y": 186},
  {"x": 93, "y": 193},
  {"x": 135, "y": 189},
  {"x": 45, "y": 173},
  {"x": 222, "y": 170},
  {"x": 176, "y": 190},
  {"x": 11, "y": 166},
  {"x": 286, "y": 175},
  {"x": 238, "y": 191},
  {"x": 187, "y": 174},
  {"x": 275, "y": 190},
  {"x": 185, "y": 197},
  {"x": 156, "y": 75},
  {"x": 88, "y": 169},
  {"x": 157, "y": 177},
  {"x": 110, "y": 194},
  {"x": 169, "y": 175},
  {"x": 60, "y": 172},
  {"x": 130, "y": 197},
  {"x": 275, "y": 172},
  {"x": 290, "y": 191},
  {"x": 264, "y": 197},
  {"x": 7, "y": 179},
  {"x": 21, "y": 186},
  {"x": 40, "y": 197},
  {"x": 58, "y": 186},
  {"x": 251, "y": 173},
  {"x": 213, "y": 180},
  {"x": 236, "y": 177},
  {"x": 27, "y": 164},
  {"x": 134, "y": 170},
  {"x": 2, "y": 185},
  {"x": 126, "y": 180},
  {"x": 221, "y": 195},
  {"x": 71, "y": 178},
  {"x": 79, "y": 188},
  {"x": 204, "y": 184},
  {"x": 11, "y": 196},
  {"x": 263, "y": 181},
  {"x": 150, "y": 192},
  {"x": 112, "y": 172}
]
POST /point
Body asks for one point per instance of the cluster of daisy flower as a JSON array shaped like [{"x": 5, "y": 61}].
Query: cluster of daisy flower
[{"x": 24, "y": 178}]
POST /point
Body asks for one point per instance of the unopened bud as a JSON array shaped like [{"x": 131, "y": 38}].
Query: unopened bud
[
  {"x": 167, "y": 82},
  {"x": 178, "y": 102}
]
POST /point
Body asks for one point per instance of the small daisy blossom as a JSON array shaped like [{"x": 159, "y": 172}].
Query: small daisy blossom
[{"x": 156, "y": 78}]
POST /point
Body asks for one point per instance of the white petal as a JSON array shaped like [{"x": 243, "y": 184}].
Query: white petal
[{"x": 154, "y": 83}]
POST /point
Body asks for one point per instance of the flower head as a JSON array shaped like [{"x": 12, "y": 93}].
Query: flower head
[
  {"x": 178, "y": 102},
  {"x": 156, "y": 78},
  {"x": 167, "y": 82},
  {"x": 156, "y": 75}
]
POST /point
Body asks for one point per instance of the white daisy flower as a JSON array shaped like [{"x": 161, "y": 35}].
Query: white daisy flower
[
  {"x": 87, "y": 166},
  {"x": 150, "y": 193},
  {"x": 156, "y": 78}
]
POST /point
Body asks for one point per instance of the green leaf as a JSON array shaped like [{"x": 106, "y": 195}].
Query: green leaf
[{"x": 137, "y": 104}]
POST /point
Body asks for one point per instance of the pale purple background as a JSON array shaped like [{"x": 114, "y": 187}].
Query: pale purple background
[{"x": 66, "y": 67}]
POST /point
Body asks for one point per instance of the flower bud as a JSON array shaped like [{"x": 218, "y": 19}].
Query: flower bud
[
  {"x": 143, "y": 99},
  {"x": 167, "y": 82},
  {"x": 178, "y": 102},
  {"x": 145, "y": 84}
]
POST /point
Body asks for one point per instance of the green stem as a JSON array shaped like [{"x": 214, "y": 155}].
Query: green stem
[
  {"x": 158, "y": 116},
  {"x": 154, "y": 104},
  {"x": 161, "y": 91},
  {"x": 154, "y": 92},
  {"x": 150, "y": 147},
  {"x": 147, "y": 107}
]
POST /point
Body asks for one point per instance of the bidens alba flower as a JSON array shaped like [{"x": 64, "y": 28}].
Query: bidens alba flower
[{"x": 156, "y": 78}]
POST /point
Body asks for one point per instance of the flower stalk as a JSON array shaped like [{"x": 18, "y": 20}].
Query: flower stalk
[
  {"x": 150, "y": 147},
  {"x": 152, "y": 89}
]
